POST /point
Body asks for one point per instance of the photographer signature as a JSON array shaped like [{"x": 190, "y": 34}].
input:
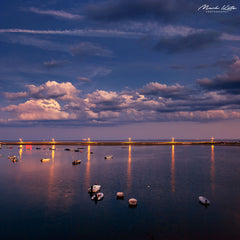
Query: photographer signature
[{"x": 224, "y": 8}]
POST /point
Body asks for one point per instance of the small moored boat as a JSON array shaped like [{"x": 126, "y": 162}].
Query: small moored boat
[
  {"x": 203, "y": 200},
  {"x": 97, "y": 197},
  {"x": 45, "y": 159},
  {"x": 120, "y": 195},
  {"x": 94, "y": 188},
  {"x": 132, "y": 202},
  {"x": 76, "y": 162},
  {"x": 108, "y": 157},
  {"x": 13, "y": 158}
]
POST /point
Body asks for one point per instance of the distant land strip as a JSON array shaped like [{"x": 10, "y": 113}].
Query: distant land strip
[{"x": 116, "y": 143}]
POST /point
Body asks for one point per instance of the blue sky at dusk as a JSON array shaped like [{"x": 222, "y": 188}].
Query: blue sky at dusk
[{"x": 148, "y": 69}]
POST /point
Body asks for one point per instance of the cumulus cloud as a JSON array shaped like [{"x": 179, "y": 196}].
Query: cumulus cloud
[
  {"x": 51, "y": 89},
  {"x": 17, "y": 95},
  {"x": 229, "y": 82},
  {"x": 174, "y": 91},
  {"x": 152, "y": 102},
  {"x": 40, "y": 109}
]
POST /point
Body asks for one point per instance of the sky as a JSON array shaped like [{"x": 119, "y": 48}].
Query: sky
[{"x": 145, "y": 69}]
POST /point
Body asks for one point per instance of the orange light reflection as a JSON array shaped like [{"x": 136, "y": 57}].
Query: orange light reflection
[
  {"x": 53, "y": 153},
  {"x": 129, "y": 174},
  {"x": 212, "y": 169},
  {"x": 88, "y": 166},
  {"x": 173, "y": 169},
  {"x": 20, "y": 152}
]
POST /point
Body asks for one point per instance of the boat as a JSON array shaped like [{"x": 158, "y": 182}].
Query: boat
[
  {"x": 108, "y": 157},
  {"x": 132, "y": 202},
  {"x": 38, "y": 148},
  {"x": 13, "y": 158},
  {"x": 98, "y": 196},
  {"x": 45, "y": 159},
  {"x": 76, "y": 162},
  {"x": 203, "y": 200},
  {"x": 67, "y": 149},
  {"x": 120, "y": 195},
  {"x": 94, "y": 188}
]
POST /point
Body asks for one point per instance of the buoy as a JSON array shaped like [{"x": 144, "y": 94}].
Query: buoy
[
  {"x": 132, "y": 202},
  {"x": 120, "y": 195}
]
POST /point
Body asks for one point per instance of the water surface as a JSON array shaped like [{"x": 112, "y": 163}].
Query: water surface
[{"x": 50, "y": 200}]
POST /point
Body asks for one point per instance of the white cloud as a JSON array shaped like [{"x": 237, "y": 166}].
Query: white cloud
[
  {"x": 41, "y": 109},
  {"x": 52, "y": 89}
]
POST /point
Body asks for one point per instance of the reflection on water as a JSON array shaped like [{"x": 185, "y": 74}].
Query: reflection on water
[
  {"x": 20, "y": 152},
  {"x": 60, "y": 193},
  {"x": 53, "y": 153},
  {"x": 129, "y": 175},
  {"x": 88, "y": 166},
  {"x": 173, "y": 169},
  {"x": 53, "y": 196},
  {"x": 212, "y": 169}
]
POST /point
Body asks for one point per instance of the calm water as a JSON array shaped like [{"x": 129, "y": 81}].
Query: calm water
[{"x": 50, "y": 200}]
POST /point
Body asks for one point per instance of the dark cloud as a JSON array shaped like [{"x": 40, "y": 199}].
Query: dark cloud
[
  {"x": 139, "y": 9},
  {"x": 192, "y": 42},
  {"x": 86, "y": 49},
  {"x": 229, "y": 82},
  {"x": 54, "y": 63},
  {"x": 182, "y": 67},
  {"x": 223, "y": 63}
]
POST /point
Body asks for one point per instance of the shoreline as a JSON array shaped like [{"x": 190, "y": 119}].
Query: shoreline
[{"x": 115, "y": 143}]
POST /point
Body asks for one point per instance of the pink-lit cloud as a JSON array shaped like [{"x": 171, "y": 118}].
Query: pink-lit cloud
[
  {"x": 152, "y": 103},
  {"x": 51, "y": 89},
  {"x": 40, "y": 109}
]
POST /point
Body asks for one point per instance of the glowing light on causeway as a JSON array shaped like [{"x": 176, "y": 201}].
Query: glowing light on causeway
[
  {"x": 20, "y": 140},
  {"x": 172, "y": 139},
  {"x": 212, "y": 139},
  {"x": 89, "y": 140},
  {"x": 53, "y": 140},
  {"x": 129, "y": 139}
]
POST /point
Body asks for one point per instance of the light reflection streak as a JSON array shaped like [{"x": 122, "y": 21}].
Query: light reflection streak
[
  {"x": 212, "y": 169},
  {"x": 53, "y": 153},
  {"x": 173, "y": 169},
  {"x": 59, "y": 193},
  {"x": 88, "y": 166},
  {"x": 20, "y": 152},
  {"x": 129, "y": 174}
]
